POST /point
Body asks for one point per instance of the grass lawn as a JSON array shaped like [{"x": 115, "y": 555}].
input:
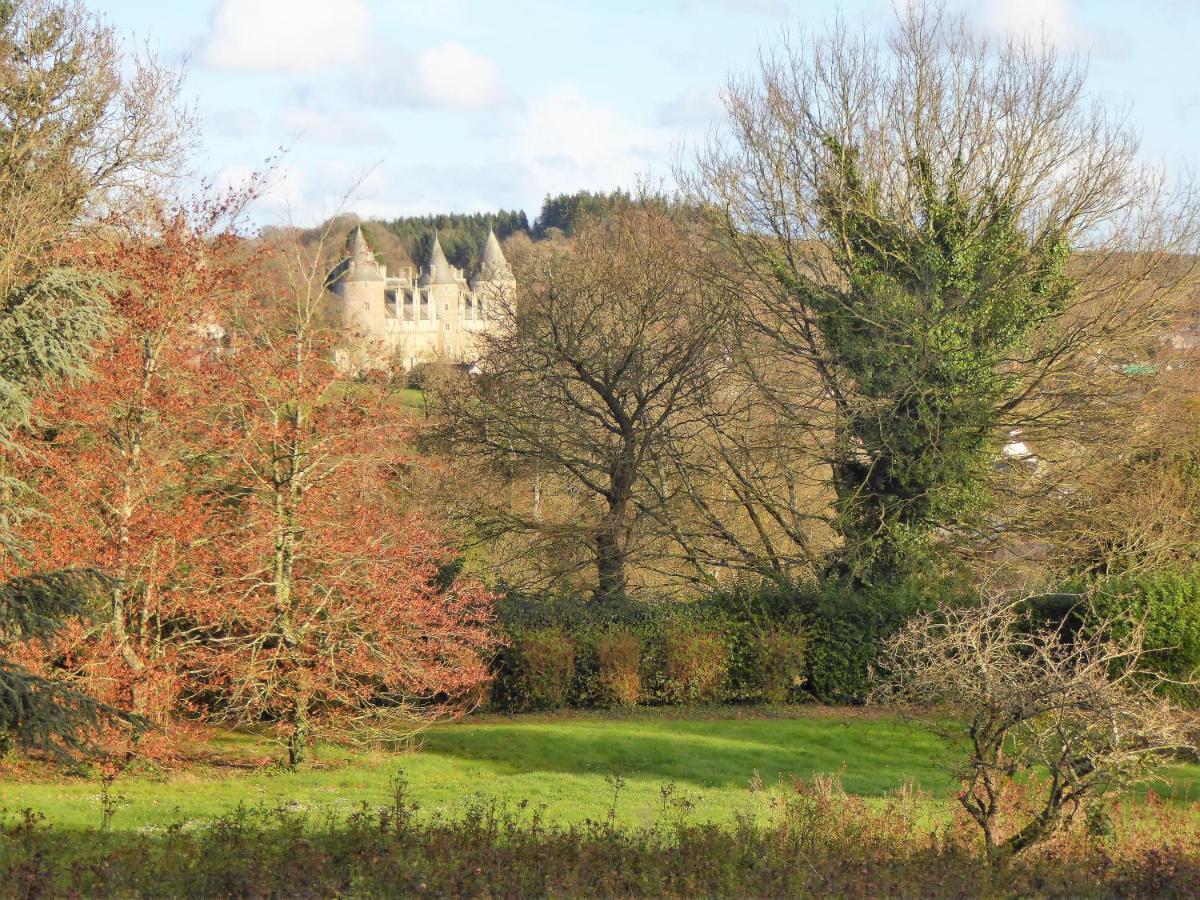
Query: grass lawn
[{"x": 564, "y": 762}]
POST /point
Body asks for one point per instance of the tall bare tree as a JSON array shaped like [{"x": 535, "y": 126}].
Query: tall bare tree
[{"x": 601, "y": 364}]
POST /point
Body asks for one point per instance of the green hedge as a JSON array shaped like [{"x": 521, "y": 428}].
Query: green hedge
[
  {"x": 753, "y": 643},
  {"x": 1167, "y": 603},
  {"x": 652, "y": 653}
]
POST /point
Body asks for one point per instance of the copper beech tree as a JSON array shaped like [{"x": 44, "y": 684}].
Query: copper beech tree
[
  {"x": 120, "y": 465},
  {"x": 332, "y": 606},
  {"x": 86, "y": 129}
]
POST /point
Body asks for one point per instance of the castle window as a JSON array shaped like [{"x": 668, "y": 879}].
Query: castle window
[
  {"x": 470, "y": 313},
  {"x": 389, "y": 304},
  {"x": 410, "y": 310},
  {"x": 424, "y": 316}
]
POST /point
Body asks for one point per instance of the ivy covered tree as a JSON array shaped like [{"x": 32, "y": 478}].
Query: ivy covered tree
[
  {"x": 927, "y": 315},
  {"x": 935, "y": 241}
]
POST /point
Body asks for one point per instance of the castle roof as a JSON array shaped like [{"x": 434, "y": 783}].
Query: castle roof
[
  {"x": 359, "y": 263},
  {"x": 439, "y": 271},
  {"x": 492, "y": 264}
]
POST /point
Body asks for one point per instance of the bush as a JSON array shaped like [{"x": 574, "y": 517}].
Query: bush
[
  {"x": 695, "y": 663},
  {"x": 848, "y": 624},
  {"x": 619, "y": 664},
  {"x": 545, "y": 668},
  {"x": 777, "y": 665},
  {"x": 1166, "y": 603}
]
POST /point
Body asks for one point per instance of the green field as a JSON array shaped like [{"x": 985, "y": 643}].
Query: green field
[{"x": 564, "y": 762}]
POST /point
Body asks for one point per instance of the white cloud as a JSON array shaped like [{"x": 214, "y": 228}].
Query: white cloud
[
  {"x": 565, "y": 142},
  {"x": 1053, "y": 20},
  {"x": 349, "y": 127},
  {"x": 448, "y": 75},
  {"x": 697, "y": 108},
  {"x": 293, "y": 36}
]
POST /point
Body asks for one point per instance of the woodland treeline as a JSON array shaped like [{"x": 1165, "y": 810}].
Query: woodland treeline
[{"x": 907, "y": 331}]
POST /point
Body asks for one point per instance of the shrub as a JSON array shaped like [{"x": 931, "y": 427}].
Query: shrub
[
  {"x": 695, "y": 663},
  {"x": 1049, "y": 723},
  {"x": 546, "y": 669},
  {"x": 848, "y": 625},
  {"x": 1165, "y": 604},
  {"x": 817, "y": 841},
  {"x": 777, "y": 664},
  {"x": 619, "y": 662}
]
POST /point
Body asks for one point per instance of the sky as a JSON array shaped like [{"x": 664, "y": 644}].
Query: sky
[{"x": 389, "y": 108}]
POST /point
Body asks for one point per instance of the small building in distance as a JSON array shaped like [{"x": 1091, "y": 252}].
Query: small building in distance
[{"x": 410, "y": 318}]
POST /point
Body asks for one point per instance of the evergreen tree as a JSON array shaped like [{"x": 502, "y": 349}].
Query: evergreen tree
[{"x": 462, "y": 235}]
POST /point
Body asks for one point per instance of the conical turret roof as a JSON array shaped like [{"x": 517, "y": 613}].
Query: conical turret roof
[
  {"x": 492, "y": 264},
  {"x": 360, "y": 263},
  {"x": 439, "y": 271}
]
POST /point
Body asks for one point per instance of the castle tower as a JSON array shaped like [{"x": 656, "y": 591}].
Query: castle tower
[
  {"x": 445, "y": 288},
  {"x": 360, "y": 283},
  {"x": 494, "y": 281}
]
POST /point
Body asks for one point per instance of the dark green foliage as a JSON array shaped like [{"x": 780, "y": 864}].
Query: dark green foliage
[
  {"x": 34, "y": 606},
  {"x": 934, "y": 304},
  {"x": 46, "y": 326},
  {"x": 1167, "y": 604},
  {"x": 36, "y": 712},
  {"x": 564, "y": 211},
  {"x": 848, "y": 626},
  {"x": 777, "y": 664},
  {"x": 461, "y": 235},
  {"x": 844, "y": 624}
]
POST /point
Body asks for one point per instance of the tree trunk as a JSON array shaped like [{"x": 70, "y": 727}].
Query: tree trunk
[
  {"x": 610, "y": 565},
  {"x": 612, "y": 537},
  {"x": 298, "y": 738}
]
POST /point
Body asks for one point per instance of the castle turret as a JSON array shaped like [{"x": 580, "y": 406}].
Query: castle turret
[
  {"x": 494, "y": 283},
  {"x": 439, "y": 271},
  {"x": 362, "y": 265},
  {"x": 359, "y": 282},
  {"x": 493, "y": 267}
]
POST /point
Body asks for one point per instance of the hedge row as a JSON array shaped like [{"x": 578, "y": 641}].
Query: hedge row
[
  {"x": 567, "y": 654},
  {"x": 774, "y": 644}
]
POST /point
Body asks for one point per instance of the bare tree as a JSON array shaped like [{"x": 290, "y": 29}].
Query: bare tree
[
  {"x": 1050, "y": 721},
  {"x": 937, "y": 240},
  {"x": 599, "y": 368}
]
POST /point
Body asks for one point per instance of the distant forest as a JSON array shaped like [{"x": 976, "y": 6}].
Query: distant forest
[{"x": 463, "y": 234}]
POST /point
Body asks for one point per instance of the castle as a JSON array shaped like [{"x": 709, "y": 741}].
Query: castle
[{"x": 408, "y": 319}]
